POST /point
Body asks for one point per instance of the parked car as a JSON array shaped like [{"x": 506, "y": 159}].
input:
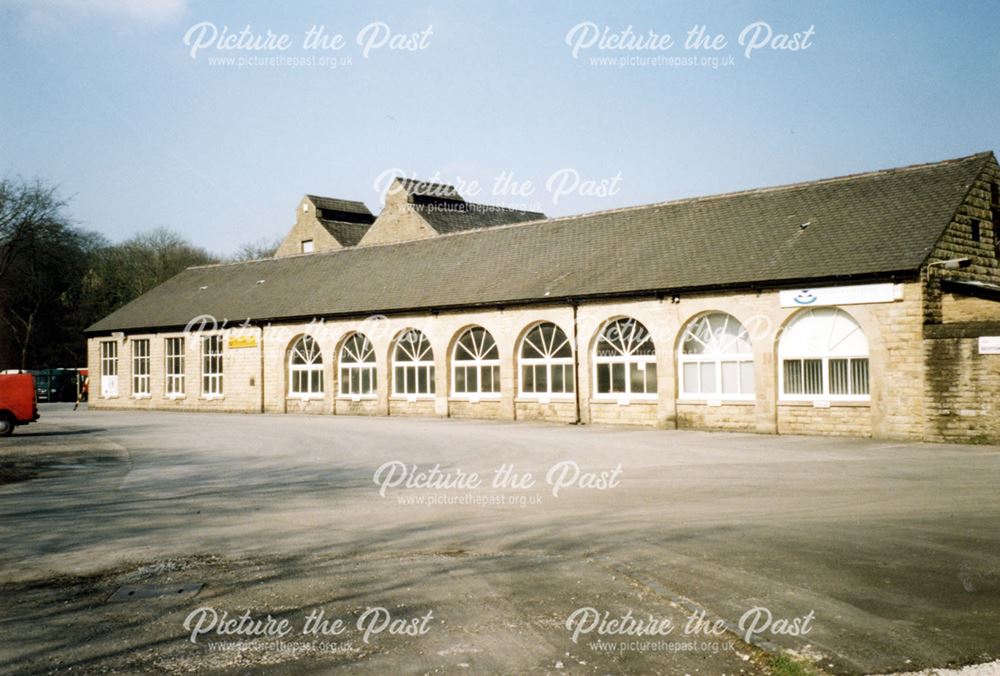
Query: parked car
[
  {"x": 58, "y": 384},
  {"x": 18, "y": 404}
]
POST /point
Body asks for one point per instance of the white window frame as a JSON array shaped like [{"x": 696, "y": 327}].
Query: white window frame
[
  {"x": 414, "y": 345},
  {"x": 715, "y": 353},
  {"x": 547, "y": 361},
  {"x": 109, "y": 369},
  {"x": 363, "y": 362},
  {"x": 625, "y": 354},
  {"x": 211, "y": 378},
  {"x": 141, "y": 362},
  {"x": 824, "y": 356},
  {"x": 173, "y": 367},
  {"x": 476, "y": 359},
  {"x": 308, "y": 371}
]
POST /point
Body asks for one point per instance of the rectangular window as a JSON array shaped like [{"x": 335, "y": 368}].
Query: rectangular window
[
  {"x": 414, "y": 380},
  {"x": 308, "y": 246},
  {"x": 845, "y": 377},
  {"x": 603, "y": 378},
  {"x": 562, "y": 378},
  {"x": 174, "y": 350},
  {"x": 211, "y": 366},
  {"x": 707, "y": 375},
  {"x": 859, "y": 376},
  {"x": 803, "y": 376},
  {"x": 746, "y": 377},
  {"x": 109, "y": 369},
  {"x": 642, "y": 377},
  {"x": 618, "y": 377},
  {"x": 839, "y": 381},
  {"x": 976, "y": 234},
  {"x": 813, "y": 372},
  {"x": 691, "y": 384},
  {"x": 793, "y": 376},
  {"x": 140, "y": 367},
  {"x": 358, "y": 381},
  {"x": 730, "y": 377}
]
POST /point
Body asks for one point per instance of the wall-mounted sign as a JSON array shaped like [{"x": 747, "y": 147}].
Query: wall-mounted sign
[
  {"x": 989, "y": 344},
  {"x": 841, "y": 295},
  {"x": 236, "y": 342}
]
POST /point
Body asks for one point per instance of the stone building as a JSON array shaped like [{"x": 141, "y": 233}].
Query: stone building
[{"x": 864, "y": 305}]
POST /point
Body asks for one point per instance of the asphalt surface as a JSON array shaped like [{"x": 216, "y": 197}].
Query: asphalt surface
[{"x": 891, "y": 550}]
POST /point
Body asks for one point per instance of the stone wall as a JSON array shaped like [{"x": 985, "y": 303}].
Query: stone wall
[
  {"x": 736, "y": 417},
  {"x": 962, "y": 395},
  {"x": 398, "y": 221},
  {"x": 962, "y": 384},
  {"x": 307, "y": 227},
  {"x": 256, "y": 378}
]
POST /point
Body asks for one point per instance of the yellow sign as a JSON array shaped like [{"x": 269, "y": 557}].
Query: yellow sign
[{"x": 236, "y": 342}]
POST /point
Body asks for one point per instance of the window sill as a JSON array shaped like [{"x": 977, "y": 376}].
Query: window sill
[
  {"x": 305, "y": 397},
  {"x": 213, "y": 397},
  {"x": 142, "y": 396},
  {"x": 410, "y": 398},
  {"x": 717, "y": 402},
  {"x": 551, "y": 399},
  {"x": 110, "y": 396},
  {"x": 173, "y": 397},
  {"x": 826, "y": 403},
  {"x": 359, "y": 397},
  {"x": 474, "y": 400},
  {"x": 633, "y": 399}
]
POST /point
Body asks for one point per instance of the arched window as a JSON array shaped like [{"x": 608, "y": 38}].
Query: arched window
[
  {"x": 357, "y": 367},
  {"x": 475, "y": 368},
  {"x": 414, "y": 365},
  {"x": 625, "y": 360},
  {"x": 823, "y": 355},
  {"x": 716, "y": 358},
  {"x": 546, "y": 362},
  {"x": 305, "y": 368}
]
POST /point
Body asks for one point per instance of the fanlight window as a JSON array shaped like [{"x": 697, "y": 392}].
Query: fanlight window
[
  {"x": 358, "y": 377},
  {"x": 414, "y": 365},
  {"x": 716, "y": 358},
  {"x": 546, "y": 362},
  {"x": 625, "y": 360},
  {"x": 476, "y": 365},
  {"x": 305, "y": 368},
  {"x": 824, "y": 355}
]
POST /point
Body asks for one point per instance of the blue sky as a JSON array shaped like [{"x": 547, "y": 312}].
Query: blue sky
[{"x": 103, "y": 98}]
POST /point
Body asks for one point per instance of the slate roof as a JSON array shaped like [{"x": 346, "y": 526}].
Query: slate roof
[
  {"x": 429, "y": 189},
  {"x": 348, "y": 234},
  {"x": 863, "y": 225},
  {"x": 468, "y": 216},
  {"x": 334, "y": 204}
]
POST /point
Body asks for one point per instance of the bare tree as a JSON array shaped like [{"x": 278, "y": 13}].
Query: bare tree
[
  {"x": 261, "y": 248},
  {"x": 30, "y": 216}
]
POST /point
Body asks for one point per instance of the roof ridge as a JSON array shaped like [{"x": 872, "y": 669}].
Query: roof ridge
[
  {"x": 489, "y": 207},
  {"x": 336, "y": 199},
  {"x": 701, "y": 198},
  {"x": 420, "y": 181}
]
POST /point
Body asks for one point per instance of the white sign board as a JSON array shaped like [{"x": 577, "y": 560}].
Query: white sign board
[
  {"x": 989, "y": 344},
  {"x": 841, "y": 295}
]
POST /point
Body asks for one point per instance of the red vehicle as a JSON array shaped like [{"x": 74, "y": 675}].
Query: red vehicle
[{"x": 17, "y": 402}]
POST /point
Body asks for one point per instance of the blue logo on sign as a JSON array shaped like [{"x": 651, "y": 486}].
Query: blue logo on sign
[{"x": 805, "y": 297}]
